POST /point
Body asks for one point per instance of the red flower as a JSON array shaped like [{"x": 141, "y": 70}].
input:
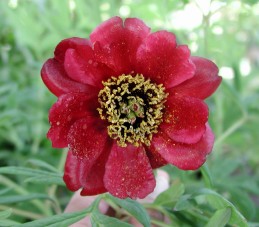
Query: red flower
[{"x": 128, "y": 101}]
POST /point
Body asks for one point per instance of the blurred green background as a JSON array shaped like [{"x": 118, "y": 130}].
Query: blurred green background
[{"x": 225, "y": 31}]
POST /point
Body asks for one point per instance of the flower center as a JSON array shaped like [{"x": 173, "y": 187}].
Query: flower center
[{"x": 134, "y": 108}]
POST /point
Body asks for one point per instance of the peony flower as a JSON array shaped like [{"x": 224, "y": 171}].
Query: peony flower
[{"x": 129, "y": 101}]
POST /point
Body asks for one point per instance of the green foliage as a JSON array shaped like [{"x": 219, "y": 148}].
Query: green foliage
[
  {"x": 220, "y": 218},
  {"x": 99, "y": 220},
  {"x": 171, "y": 195},
  {"x": 57, "y": 220},
  {"x": 134, "y": 208},
  {"x": 4, "y": 221},
  {"x": 224, "y": 192}
]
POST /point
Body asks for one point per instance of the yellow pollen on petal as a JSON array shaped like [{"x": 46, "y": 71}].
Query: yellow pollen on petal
[{"x": 133, "y": 107}]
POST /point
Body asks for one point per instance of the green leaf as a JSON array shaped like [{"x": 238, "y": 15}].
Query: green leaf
[
  {"x": 5, "y": 190},
  {"x": 206, "y": 176},
  {"x": 5, "y": 214},
  {"x": 46, "y": 180},
  {"x": 27, "y": 171},
  {"x": 183, "y": 203},
  {"x": 220, "y": 218},
  {"x": 100, "y": 220},
  {"x": 253, "y": 224},
  {"x": 243, "y": 201},
  {"x": 65, "y": 219},
  {"x": 171, "y": 195},
  {"x": 22, "y": 198},
  {"x": 43, "y": 164},
  {"x": 6, "y": 223},
  {"x": 219, "y": 202},
  {"x": 134, "y": 208}
]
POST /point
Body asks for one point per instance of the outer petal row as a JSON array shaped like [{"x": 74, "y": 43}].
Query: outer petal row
[
  {"x": 125, "y": 172},
  {"x": 117, "y": 172},
  {"x": 78, "y": 66},
  {"x": 128, "y": 48}
]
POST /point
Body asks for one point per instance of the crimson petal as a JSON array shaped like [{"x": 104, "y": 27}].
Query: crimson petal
[
  {"x": 160, "y": 59},
  {"x": 155, "y": 159},
  {"x": 107, "y": 31},
  {"x": 128, "y": 172},
  {"x": 57, "y": 81},
  {"x": 68, "y": 109},
  {"x": 185, "y": 119},
  {"x": 84, "y": 173},
  {"x": 184, "y": 156},
  {"x": 204, "y": 82},
  {"x": 94, "y": 182},
  {"x": 75, "y": 172},
  {"x": 86, "y": 138},
  {"x": 76, "y": 43},
  {"x": 115, "y": 43},
  {"x": 82, "y": 67}
]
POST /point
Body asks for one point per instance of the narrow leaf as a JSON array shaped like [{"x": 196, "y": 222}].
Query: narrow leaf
[
  {"x": 69, "y": 221},
  {"x": 219, "y": 202},
  {"x": 244, "y": 202},
  {"x": 22, "y": 198},
  {"x": 65, "y": 219},
  {"x": 206, "y": 176},
  {"x": 253, "y": 224},
  {"x": 27, "y": 171},
  {"x": 134, "y": 208},
  {"x": 7, "y": 222},
  {"x": 98, "y": 220},
  {"x": 46, "y": 180},
  {"x": 5, "y": 190},
  {"x": 171, "y": 195},
  {"x": 43, "y": 164},
  {"x": 184, "y": 203},
  {"x": 5, "y": 214},
  {"x": 220, "y": 218}
]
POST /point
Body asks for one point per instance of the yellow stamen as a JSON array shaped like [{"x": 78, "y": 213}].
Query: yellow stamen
[{"x": 134, "y": 108}]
